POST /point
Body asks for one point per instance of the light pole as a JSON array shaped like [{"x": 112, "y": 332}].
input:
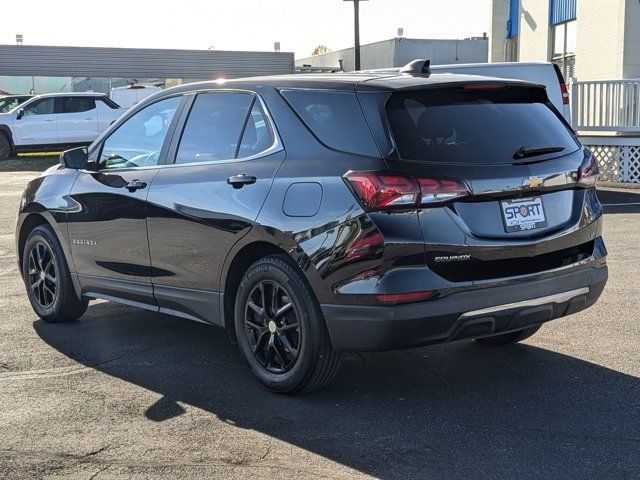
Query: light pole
[{"x": 356, "y": 15}]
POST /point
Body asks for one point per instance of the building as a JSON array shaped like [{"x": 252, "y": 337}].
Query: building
[
  {"x": 588, "y": 39},
  {"x": 397, "y": 52},
  {"x": 596, "y": 44},
  {"x": 46, "y": 69}
]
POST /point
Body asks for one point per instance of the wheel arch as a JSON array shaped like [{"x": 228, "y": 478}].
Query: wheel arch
[
  {"x": 6, "y": 130},
  {"x": 30, "y": 222}
]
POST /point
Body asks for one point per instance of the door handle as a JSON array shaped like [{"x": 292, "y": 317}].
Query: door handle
[
  {"x": 240, "y": 180},
  {"x": 50, "y": 120},
  {"x": 134, "y": 185},
  {"x": 88, "y": 118}
]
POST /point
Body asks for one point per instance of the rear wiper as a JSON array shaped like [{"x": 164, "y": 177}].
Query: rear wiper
[{"x": 523, "y": 152}]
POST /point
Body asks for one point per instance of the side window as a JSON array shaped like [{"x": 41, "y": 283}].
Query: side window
[
  {"x": 75, "y": 104},
  {"x": 257, "y": 136},
  {"x": 45, "y": 106},
  {"x": 138, "y": 141},
  {"x": 335, "y": 118},
  {"x": 214, "y": 126}
]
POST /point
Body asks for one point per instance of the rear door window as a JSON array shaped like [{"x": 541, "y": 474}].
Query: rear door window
[
  {"x": 476, "y": 126},
  {"x": 75, "y": 104},
  {"x": 335, "y": 118},
  {"x": 214, "y": 126}
]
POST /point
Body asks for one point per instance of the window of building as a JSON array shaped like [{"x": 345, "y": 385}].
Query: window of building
[{"x": 563, "y": 37}]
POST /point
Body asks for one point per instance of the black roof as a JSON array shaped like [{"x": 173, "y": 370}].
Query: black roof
[{"x": 348, "y": 81}]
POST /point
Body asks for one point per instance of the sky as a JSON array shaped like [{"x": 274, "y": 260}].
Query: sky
[{"x": 299, "y": 25}]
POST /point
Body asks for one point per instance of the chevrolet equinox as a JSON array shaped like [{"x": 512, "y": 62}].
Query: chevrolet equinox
[{"x": 311, "y": 215}]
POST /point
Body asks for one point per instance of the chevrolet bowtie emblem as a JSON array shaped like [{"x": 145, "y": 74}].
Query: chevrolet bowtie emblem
[{"x": 532, "y": 182}]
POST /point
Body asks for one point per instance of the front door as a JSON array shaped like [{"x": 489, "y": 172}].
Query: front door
[
  {"x": 77, "y": 119},
  {"x": 195, "y": 215},
  {"x": 107, "y": 229},
  {"x": 37, "y": 126}
]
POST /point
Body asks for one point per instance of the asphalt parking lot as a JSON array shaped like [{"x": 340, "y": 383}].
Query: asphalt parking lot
[{"x": 128, "y": 392}]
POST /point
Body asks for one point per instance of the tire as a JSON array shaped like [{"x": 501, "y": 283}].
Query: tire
[
  {"x": 287, "y": 359},
  {"x": 5, "y": 147},
  {"x": 53, "y": 299},
  {"x": 508, "y": 338}
]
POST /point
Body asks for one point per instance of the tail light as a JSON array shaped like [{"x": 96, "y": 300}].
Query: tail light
[
  {"x": 588, "y": 171},
  {"x": 565, "y": 93},
  {"x": 382, "y": 191}
]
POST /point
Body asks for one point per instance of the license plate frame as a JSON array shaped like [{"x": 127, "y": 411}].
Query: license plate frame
[{"x": 523, "y": 214}]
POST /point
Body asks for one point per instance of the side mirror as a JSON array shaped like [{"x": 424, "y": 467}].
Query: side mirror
[
  {"x": 76, "y": 158},
  {"x": 20, "y": 114}
]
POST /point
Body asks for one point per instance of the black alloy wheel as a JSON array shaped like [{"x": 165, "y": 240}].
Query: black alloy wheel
[
  {"x": 272, "y": 326},
  {"x": 280, "y": 328},
  {"x": 43, "y": 276},
  {"x": 47, "y": 278}
]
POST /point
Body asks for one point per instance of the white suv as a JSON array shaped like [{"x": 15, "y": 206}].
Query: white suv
[{"x": 54, "y": 121}]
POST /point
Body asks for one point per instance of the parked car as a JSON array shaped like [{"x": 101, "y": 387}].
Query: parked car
[
  {"x": 128, "y": 96},
  {"x": 9, "y": 102},
  {"x": 311, "y": 215},
  {"x": 55, "y": 121}
]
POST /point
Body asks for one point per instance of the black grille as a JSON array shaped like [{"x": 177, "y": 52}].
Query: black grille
[{"x": 490, "y": 269}]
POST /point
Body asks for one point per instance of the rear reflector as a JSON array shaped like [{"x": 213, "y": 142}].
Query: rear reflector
[
  {"x": 588, "y": 171},
  {"x": 404, "y": 297},
  {"x": 382, "y": 190}
]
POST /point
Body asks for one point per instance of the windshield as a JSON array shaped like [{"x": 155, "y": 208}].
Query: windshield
[{"x": 476, "y": 126}]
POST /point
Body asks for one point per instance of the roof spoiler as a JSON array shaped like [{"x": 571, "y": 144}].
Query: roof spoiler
[{"x": 417, "y": 67}]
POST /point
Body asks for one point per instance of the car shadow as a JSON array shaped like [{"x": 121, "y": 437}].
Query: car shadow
[
  {"x": 620, "y": 201},
  {"x": 452, "y": 411}
]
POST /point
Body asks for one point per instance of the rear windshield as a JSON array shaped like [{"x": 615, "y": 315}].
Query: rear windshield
[{"x": 476, "y": 126}]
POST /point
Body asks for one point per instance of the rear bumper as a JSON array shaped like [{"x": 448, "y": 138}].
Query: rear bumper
[{"x": 465, "y": 314}]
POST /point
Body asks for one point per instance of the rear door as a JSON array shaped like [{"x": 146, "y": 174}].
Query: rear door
[
  {"x": 107, "y": 227},
  {"x": 225, "y": 159},
  {"x": 77, "y": 119},
  {"x": 38, "y": 124}
]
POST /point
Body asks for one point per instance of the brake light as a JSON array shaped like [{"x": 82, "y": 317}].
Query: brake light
[
  {"x": 588, "y": 171},
  {"x": 404, "y": 297},
  {"x": 484, "y": 86},
  {"x": 565, "y": 93},
  {"x": 382, "y": 191}
]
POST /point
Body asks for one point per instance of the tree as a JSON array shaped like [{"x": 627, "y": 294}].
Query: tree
[{"x": 320, "y": 49}]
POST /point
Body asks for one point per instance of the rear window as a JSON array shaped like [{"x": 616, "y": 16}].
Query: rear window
[
  {"x": 335, "y": 118},
  {"x": 476, "y": 126}
]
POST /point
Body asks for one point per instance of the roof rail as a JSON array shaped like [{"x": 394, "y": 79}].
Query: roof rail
[{"x": 417, "y": 67}]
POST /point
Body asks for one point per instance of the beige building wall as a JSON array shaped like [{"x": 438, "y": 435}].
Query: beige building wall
[
  {"x": 534, "y": 31},
  {"x": 608, "y": 36},
  {"x": 601, "y": 39},
  {"x": 498, "y": 29}
]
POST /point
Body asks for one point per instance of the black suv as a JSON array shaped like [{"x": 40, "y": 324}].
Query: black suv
[{"x": 311, "y": 215}]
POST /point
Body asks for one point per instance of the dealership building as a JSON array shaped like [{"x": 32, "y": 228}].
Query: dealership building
[{"x": 47, "y": 69}]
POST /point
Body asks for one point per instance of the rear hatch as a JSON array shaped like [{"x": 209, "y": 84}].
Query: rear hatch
[{"x": 502, "y": 178}]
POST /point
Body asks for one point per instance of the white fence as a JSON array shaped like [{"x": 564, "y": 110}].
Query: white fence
[
  {"x": 610, "y": 105},
  {"x": 618, "y": 157}
]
